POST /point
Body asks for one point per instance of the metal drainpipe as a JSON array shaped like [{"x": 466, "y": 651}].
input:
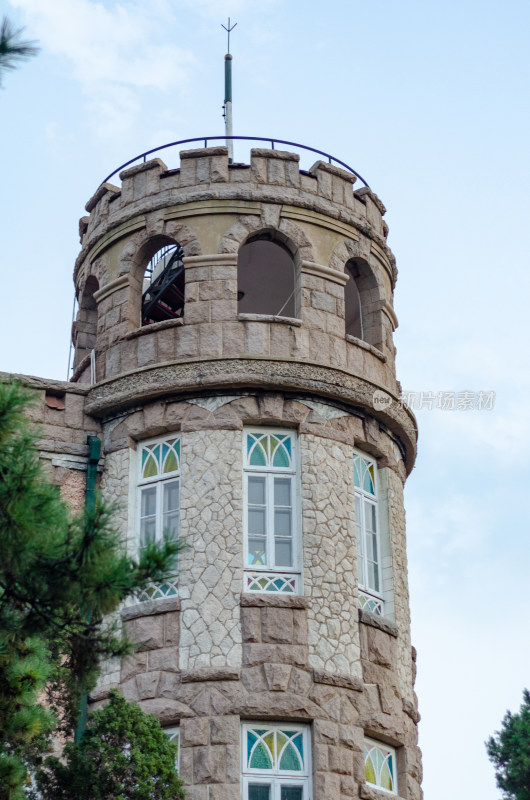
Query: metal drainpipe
[{"x": 94, "y": 455}]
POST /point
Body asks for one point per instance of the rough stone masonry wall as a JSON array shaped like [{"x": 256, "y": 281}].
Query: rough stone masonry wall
[
  {"x": 211, "y": 569},
  {"x": 330, "y": 554}
]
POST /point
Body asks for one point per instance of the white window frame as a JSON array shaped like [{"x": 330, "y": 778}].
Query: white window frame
[
  {"x": 371, "y": 743},
  {"x": 168, "y": 588},
  {"x": 374, "y": 597},
  {"x": 173, "y": 733},
  {"x": 276, "y": 778},
  {"x": 291, "y": 575}
]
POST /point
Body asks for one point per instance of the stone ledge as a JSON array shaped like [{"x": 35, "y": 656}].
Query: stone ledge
[
  {"x": 204, "y": 152},
  {"x": 367, "y": 792},
  {"x": 156, "y": 326},
  {"x": 83, "y": 364},
  {"x": 365, "y": 346},
  {"x": 391, "y": 314},
  {"x": 257, "y": 600},
  {"x": 410, "y": 710},
  {"x": 333, "y": 170},
  {"x": 226, "y": 375},
  {"x": 109, "y": 288},
  {"x": 99, "y": 193},
  {"x": 62, "y": 448},
  {"x": 283, "y": 155},
  {"x": 375, "y": 621},
  {"x": 210, "y": 260},
  {"x": 210, "y": 674},
  {"x": 151, "y": 608},
  {"x": 145, "y": 166},
  {"x": 334, "y": 679},
  {"x": 321, "y": 271},
  {"x": 34, "y": 382},
  {"x": 297, "y": 323}
]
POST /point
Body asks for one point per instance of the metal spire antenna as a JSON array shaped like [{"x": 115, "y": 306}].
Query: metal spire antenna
[{"x": 227, "y": 107}]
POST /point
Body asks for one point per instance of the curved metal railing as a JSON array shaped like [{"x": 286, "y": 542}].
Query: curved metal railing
[{"x": 143, "y": 156}]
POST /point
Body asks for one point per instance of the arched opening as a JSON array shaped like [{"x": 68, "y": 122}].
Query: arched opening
[
  {"x": 163, "y": 286},
  {"x": 86, "y": 324},
  {"x": 266, "y": 277},
  {"x": 363, "y": 303},
  {"x": 352, "y": 302}
]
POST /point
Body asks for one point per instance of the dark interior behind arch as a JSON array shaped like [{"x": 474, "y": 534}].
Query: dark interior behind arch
[{"x": 266, "y": 280}]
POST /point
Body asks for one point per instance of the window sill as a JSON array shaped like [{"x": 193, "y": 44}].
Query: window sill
[
  {"x": 151, "y": 608},
  {"x": 375, "y": 621},
  {"x": 297, "y": 323},
  {"x": 258, "y": 600},
  {"x": 368, "y": 792},
  {"x": 156, "y": 326},
  {"x": 365, "y": 346}
]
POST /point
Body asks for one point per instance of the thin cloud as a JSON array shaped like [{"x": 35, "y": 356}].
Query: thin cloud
[{"x": 113, "y": 52}]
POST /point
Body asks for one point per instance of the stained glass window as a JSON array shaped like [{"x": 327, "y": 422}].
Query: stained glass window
[
  {"x": 272, "y": 450},
  {"x": 271, "y": 530},
  {"x": 367, "y": 527},
  {"x": 276, "y": 762},
  {"x": 158, "y": 501},
  {"x": 380, "y": 765}
]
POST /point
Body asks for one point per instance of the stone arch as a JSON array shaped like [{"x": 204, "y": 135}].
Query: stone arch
[
  {"x": 364, "y": 296},
  {"x": 140, "y": 249},
  {"x": 288, "y": 232},
  {"x": 287, "y": 236}
]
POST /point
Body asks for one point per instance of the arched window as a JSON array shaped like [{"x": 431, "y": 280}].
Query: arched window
[
  {"x": 163, "y": 286},
  {"x": 86, "y": 324},
  {"x": 266, "y": 278},
  {"x": 363, "y": 303},
  {"x": 352, "y": 302}
]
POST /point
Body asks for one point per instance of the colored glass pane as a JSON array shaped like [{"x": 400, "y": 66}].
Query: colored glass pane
[
  {"x": 356, "y": 472},
  {"x": 150, "y": 469},
  {"x": 291, "y": 793},
  {"x": 260, "y": 758},
  {"x": 290, "y": 760},
  {"x": 171, "y": 463},
  {"x": 271, "y": 744},
  {"x": 298, "y": 742},
  {"x": 281, "y": 458},
  {"x": 368, "y": 483},
  {"x": 257, "y": 456},
  {"x": 369, "y": 771},
  {"x": 281, "y": 740},
  {"x": 259, "y": 791},
  {"x": 251, "y": 741},
  {"x": 386, "y": 778}
]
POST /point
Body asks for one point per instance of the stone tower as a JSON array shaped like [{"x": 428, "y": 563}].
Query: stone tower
[{"x": 235, "y": 321}]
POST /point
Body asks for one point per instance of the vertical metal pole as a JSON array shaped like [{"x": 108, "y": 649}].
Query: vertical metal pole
[
  {"x": 228, "y": 107},
  {"x": 94, "y": 454}
]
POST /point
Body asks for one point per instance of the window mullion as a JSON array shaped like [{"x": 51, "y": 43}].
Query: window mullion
[
  {"x": 271, "y": 542},
  {"x": 159, "y": 510}
]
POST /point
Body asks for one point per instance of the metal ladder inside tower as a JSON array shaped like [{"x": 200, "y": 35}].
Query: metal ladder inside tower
[{"x": 163, "y": 294}]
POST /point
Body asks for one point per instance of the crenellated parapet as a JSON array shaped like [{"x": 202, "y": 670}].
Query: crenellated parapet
[{"x": 212, "y": 209}]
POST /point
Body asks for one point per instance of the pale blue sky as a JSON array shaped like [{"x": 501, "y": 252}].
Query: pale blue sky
[{"x": 429, "y": 102}]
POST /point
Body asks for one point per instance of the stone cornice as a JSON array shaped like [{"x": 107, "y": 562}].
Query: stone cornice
[
  {"x": 178, "y": 378},
  {"x": 210, "y": 259}
]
